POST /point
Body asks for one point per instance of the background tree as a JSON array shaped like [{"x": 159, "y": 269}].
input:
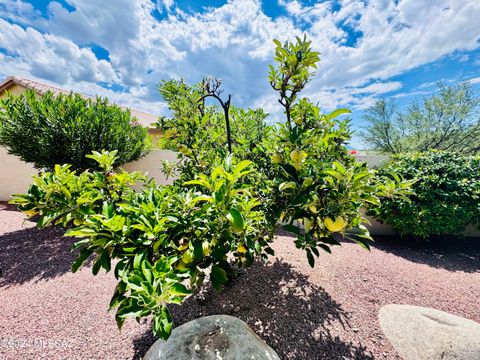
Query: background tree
[
  {"x": 447, "y": 120},
  {"x": 50, "y": 130}
]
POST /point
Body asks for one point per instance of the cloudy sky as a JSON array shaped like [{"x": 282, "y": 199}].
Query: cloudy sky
[{"x": 123, "y": 48}]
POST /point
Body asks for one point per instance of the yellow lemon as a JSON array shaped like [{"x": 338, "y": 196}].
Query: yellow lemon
[
  {"x": 277, "y": 159},
  {"x": 335, "y": 226},
  {"x": 307, "y": 225},
  {"x": 297, "y": 166},
  {"x": 78, "y": 222},
  {"x": 313, "y": 208},
  {"x": 184, "y": 150},
  {"x": 241, "y": 249},
  {"x": 296, "y": 156},
  {"x": 187, "y": 257}
]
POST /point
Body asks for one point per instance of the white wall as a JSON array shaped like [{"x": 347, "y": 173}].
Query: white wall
[{"x": 373, "y": 161}]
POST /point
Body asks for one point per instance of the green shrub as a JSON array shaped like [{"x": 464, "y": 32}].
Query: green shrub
[
  {"x": 63, "y": 129},
  {"x": 447, "y": 194},
  {"x": 222, "y": 211}
]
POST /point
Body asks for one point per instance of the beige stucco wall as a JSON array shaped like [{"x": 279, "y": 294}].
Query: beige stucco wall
[
  {"x": 16, "y": 175},
  {"x": 152, "y": 165},
  {"x": 14, "y": 90}
]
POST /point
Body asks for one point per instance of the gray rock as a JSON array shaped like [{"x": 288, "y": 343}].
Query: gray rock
[
  {"x": 419, "y": 333},
  {"x": 217, "y": 337}
]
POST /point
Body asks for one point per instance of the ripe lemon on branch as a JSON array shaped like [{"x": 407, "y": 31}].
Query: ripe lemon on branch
[
  {"x": 335, "y": 226},
  {"x": 297, "y": 156},
  {"x": 277, "y": 159}
]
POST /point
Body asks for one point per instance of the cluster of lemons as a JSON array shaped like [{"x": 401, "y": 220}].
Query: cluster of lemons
[{"x": 297, "y": 157}]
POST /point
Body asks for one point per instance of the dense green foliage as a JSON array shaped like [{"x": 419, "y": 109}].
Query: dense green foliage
[
  {"x": 447, "y": 194},
  {"x": 63, "y": 129},
  {"x": 198, "y": 131},
  {"x": 222, "y": 211},
  {"x": 160, "y": 236},
  {"x": 447, "y": 120}
]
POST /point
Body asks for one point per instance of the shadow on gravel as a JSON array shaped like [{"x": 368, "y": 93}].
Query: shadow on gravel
[
  {"x": 33, "y": 254},
  {"x": 452, "y": 254},
  {"x": 280, "y": 304}
]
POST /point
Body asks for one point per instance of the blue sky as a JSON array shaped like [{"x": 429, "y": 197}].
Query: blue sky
[{"x": 122, "y": 48}]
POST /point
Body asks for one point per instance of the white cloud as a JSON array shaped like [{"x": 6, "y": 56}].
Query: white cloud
[
  {"x": 475, "y": 80},
  {"x": 51, "y": 57},
  {"x": 234, "y": 42}
]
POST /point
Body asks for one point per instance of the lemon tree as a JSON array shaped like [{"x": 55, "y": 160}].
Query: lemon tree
[
  {"x": 318, "y": 188},
  {"x": 223, "y": 209}
]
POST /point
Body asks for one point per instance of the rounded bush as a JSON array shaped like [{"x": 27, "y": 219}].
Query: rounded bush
[
  {"x": 447, "y": 194},
  {"x": 63, "y": 129}
]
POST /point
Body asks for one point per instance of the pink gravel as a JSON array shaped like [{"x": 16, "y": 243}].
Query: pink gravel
[{"x": 329, "y": 312}]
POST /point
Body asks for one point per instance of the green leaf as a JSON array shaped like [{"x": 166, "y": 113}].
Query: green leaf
[
  {"x": 81, "y": 232},
  {"x": 106, "y": 261},
  {"x": 236, "y": 219},
  {"x": 107, "y": 210},
  {"x": 287, "y": 185},
  {"x": 326, "y": 248},
  {"x": 162, "y": 323},
  {"x": 96, "y": 266},
  {"x": 84, "y": 254},
  {"x": 120, "y": 321},
  {"x": 336, "y": 113},
  {"x": 311, "y": 259},
  {"x": 139, "y": 258},
  {"x": 277, "y": 43},
  {"x": 291, "y": 228},
  {"x": 218, "y": 277},
  {"x": 178, "y": 289},
  {"x": 241, "y": 166}
]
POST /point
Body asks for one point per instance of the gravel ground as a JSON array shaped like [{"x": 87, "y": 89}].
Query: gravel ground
[{"x": 329, "y": 312}]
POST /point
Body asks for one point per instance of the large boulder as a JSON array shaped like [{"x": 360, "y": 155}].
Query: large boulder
[
  {"x": 419, "y": 333},
  {"x": 212, "y": 338}
]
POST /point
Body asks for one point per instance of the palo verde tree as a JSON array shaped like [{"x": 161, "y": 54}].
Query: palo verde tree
[
  {"x": 222, "y": 211},
  {"x": 447, "y": 120}
]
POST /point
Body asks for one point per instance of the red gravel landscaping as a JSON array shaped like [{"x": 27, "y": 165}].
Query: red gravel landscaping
[{"x": 329, "y": 312}]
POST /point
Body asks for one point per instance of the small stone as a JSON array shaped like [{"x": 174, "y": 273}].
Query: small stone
[
  {"x": 212, "y": 338},
  {"x": 419, "y": 333},
  {"x": 355, "y": 330},
  {"x": 237, "y": 309}
]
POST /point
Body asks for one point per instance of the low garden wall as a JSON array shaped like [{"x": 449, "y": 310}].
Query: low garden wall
[{"x": 16, "y": 176}]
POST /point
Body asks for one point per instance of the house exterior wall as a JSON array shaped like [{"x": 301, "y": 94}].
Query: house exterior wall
[{"x": 14, "y": 90}]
